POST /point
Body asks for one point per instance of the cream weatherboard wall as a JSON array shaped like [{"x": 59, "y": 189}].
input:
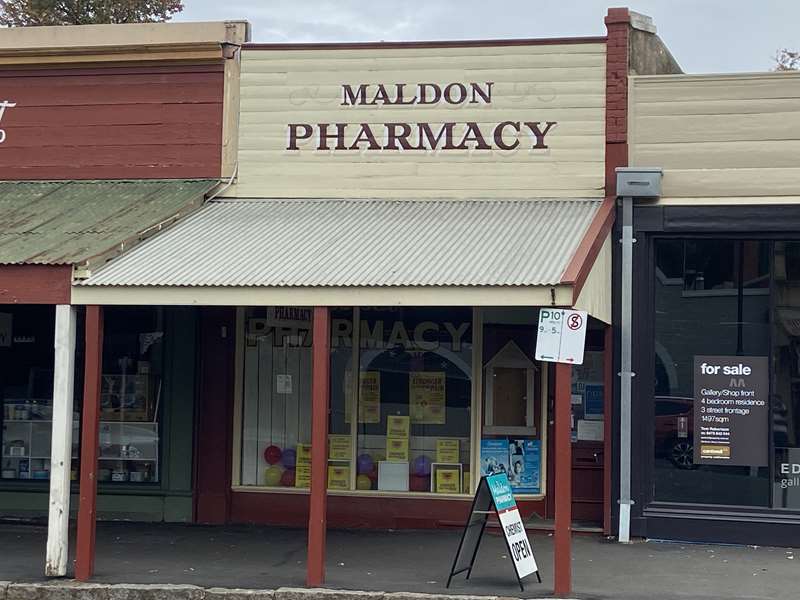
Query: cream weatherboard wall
[
  {"x": 530, "y": 83},
  {"x": 719, "y": 137}
]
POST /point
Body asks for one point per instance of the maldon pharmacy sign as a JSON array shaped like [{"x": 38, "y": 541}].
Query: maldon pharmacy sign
[
  {"x": 451, "y": 135},
  {"x": 4, "y": 104}
]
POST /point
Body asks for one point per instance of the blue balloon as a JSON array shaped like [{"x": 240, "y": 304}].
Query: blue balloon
[
  {"x": 289, "y": 458},
  {"x": 365, "y": 464},
  {"x": 421, "y": 466}
]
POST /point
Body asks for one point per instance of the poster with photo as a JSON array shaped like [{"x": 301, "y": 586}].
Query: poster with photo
[
  {"x": 494, "y": 456},
  {"x": 518, "y": 458},
  {"x": 524, "y": 459}
]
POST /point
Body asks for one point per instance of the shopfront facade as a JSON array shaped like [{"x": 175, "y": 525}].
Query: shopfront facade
[
  {"x": 108, "y": 135},
  {"x": 715, "y": 266},
  {"x": 364, "y": 171}
]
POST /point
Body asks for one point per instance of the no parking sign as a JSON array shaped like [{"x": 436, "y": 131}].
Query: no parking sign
[{"x": 561, "y": 335}]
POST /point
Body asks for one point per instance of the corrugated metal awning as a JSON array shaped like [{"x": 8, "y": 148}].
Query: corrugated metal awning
[
  {"x": 71, "y": 222},
  {"x": 360, "y": 244}
]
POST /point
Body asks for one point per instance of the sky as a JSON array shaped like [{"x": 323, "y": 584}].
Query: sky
[{"x": 705, "y": 36}]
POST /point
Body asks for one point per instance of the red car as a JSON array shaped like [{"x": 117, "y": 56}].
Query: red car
[{"x": 674, "y": 430}]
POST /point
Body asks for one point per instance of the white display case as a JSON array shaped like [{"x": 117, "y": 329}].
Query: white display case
[{"x": 26, "y": 441}]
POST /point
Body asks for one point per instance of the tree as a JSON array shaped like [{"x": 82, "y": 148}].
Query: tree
[
  {"x": 787, "y": 60},
  {"x": 22, "y": 13}
]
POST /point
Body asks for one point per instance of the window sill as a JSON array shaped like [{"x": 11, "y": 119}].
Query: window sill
[{"x": 374, "y": 493}]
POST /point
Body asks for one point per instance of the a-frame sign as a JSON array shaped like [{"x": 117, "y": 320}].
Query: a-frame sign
[{"x": 494, "y": 496}]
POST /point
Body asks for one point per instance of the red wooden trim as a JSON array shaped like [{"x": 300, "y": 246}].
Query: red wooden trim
[
  {"x": 320, "y": 403},
  {"x": 563, "y": 484},
  {"x": 90, "y": 426},
  {"x": 608, "y": 412},
  {"x": 35, "y": 284},
  {"x": 367, "y": 511},
  {"x": 213, "y": 443},
  {"x": 583, "y": 260},
  {"x": 26, "y": 70},
  {"x": 428, "y": 44}
]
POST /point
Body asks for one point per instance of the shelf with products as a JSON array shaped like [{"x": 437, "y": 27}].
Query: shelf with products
[{"x": 27, "y": 430}]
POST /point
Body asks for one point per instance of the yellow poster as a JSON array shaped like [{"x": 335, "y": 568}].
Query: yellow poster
[
  {"x": 369, "y": 397},
  {"x": 339, "y": 447},
  {"x": 447, "y": 451},
  {"x": 302, "y": 476},
  {"x": 397, "y": 449},
  {"x": 303, "y": 454},
  {"x": 447, "y": 481},
  {"x": 426, "y": 397},
  {"x": 465, "y": 486},
  {"x": 338, "y": 478},
  {"x": 397, "y": 426}
]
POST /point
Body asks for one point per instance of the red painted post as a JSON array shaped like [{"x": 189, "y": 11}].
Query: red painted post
[
  {"x": 90, "y": 427},
  {"x": 608, "y": 411},
  {"x": 320, "y": 402},
  {"x": 563, "y": 466}
]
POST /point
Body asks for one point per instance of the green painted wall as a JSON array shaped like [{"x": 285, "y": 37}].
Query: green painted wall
[{"x": 171, "y": 500}]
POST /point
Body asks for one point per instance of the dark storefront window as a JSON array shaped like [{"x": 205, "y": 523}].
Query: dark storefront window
[
  {"x": 131, "y": 393},
  {"x": 712, "y": 298},
  {"x": 786, "y": 377}
]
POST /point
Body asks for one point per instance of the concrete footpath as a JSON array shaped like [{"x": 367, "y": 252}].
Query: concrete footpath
[{"x": 384, "y": 563}]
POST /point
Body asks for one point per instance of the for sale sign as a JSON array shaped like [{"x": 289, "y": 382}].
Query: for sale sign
[
  {"x": 561, "y": 335},
  {"x": 731, "y": 410}
]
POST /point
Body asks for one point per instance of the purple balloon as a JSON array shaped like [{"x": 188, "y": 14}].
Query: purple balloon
[
  {"x": 289, "y": 458},
  {"x": 365, "y": 464},
  {"x": 421, "y": 466}
]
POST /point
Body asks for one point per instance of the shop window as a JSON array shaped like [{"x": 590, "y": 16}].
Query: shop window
[
  {"x": 413, "y": 401},
  {"x": 26, "y": 384},
  {"x": 511, "y": 438},
  {"x": 717, "y": 305},
  {"x": 276, "y": 404},
  {"x": 786, "y": 380},
  {"x": 130, "y": 394}
]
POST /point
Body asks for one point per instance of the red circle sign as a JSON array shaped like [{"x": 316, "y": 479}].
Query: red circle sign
[{"x": 574, "y": 322}]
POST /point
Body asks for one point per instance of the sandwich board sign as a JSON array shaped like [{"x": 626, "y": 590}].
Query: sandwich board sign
[
  {"x": 561, "y": 335},
  {"x": 495, "y": 496}
]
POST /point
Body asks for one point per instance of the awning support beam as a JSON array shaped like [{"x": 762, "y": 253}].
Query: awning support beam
[
  {"x": 90, "y": 434},
  {"x": 320, "y": 404},
  {"x": 61, "y": 446}
]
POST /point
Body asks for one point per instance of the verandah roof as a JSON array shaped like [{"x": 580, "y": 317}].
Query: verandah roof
[
  {"x": 71, "y": 222},
  {"x": 323, "y": 251}
]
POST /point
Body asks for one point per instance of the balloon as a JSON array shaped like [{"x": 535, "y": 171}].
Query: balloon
[
  {"x": 272, "y": 475},
  {"x": 419, "y": 483},
  {"x": 365, "y": 463},
  {"x": 363, "y": 482},
  {"x": 272, "y": 454},
  {"x": 287, "y": 478},
  {"x": 421, "y": 466},
  {"x": 289, "y": 458}
]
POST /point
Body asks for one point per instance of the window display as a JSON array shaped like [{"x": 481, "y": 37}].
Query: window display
[
  {"x": 276, "y": 407},
  {"x": 414, "y": 400},
  {"x": 130, "y": 395},
  {"x": 511, "y": 440},
  {"x": 26, "y": 383}
]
